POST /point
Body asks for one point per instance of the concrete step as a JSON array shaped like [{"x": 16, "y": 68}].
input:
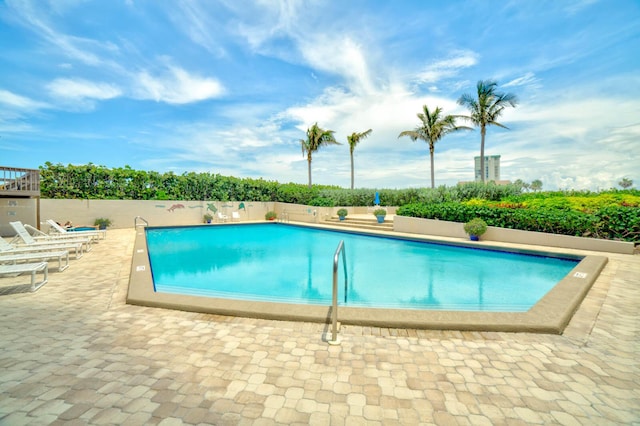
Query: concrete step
[{"x": 362, "y": 223}]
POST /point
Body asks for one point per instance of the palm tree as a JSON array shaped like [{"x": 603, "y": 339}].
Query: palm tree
[
  {"x": 354, "y": 139},
  {"x": 433, "y": 127},
  {"x": 316, "y": 137},
  {"x": 485, "y": 110},
  {"x": 626, "y": 183},
  {"x": 536, "y": 185}
]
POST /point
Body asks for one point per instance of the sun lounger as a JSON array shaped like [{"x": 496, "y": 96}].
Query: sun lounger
[
  {"x": 31, "y": 268},
  {"x": 23, "y": 234},
  {"x": 40, "y": 236},
  {"x": 235, "y": 216},
  {"x": 14, "y": 258},
  {"x": 77, "y": 247},
  {"x": 98, "y": 233}
]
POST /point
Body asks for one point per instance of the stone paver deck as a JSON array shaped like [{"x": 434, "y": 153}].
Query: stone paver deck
[{"x": 75, "y": 353}]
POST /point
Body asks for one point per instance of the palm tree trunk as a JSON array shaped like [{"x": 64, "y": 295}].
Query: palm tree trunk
[
  {"x": 352, "y": 170},
  {"x": 309, "y": 163},
  {"x": 431, "y": 149},
  {"x": 483, "y": 131}
]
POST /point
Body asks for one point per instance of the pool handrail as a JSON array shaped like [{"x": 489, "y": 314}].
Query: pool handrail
[
  {"x": 135, "y": 221},
  {"x": 334, "y": 307}
]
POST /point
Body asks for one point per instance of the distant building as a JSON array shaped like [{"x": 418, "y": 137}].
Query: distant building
[{"x": 491, "y": 168}]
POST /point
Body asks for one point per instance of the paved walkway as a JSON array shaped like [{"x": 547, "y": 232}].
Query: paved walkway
[{"x": 75, "y": 353}]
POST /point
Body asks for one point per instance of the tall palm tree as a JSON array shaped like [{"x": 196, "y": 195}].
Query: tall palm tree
[
  {"x": 353, "y": 139},
  {"x": 316, "y": 137},
  {"x": 433, "y": 127},
  {"x": 485, "y": 110}
]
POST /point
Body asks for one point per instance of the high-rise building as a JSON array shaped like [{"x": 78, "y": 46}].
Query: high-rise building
[{"x": 491, "y": 168}]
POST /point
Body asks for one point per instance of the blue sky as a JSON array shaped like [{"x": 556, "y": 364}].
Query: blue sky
[{"x": 230, "y": 87}]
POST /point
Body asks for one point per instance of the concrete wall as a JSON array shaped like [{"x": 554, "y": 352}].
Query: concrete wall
[
  {"x": 165, "y": 213},
  {"x": 17, "y": 209},
  {"x": 157, "y": 213},
  {"x": 453, "y": 229},
  {"x": 312, "y": 214}
]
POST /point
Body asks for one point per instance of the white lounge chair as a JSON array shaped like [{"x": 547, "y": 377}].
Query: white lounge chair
[
  {"x": 222, "y": 217},
  {"x": 235, "y": 216},
  {"x": 30, "y": 268},
  {"x": 40, "y": 236},
  {"x": 98, "y": 233},
  {"x": 23, "y": 234},
  {"x": 77, "y": 247},
  {"x": 14, "y": 258}
]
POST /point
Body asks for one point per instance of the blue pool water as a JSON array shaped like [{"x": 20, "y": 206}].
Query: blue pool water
[{"x": 283, "y": 263}]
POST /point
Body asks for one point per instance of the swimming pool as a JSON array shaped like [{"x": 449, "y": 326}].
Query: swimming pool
[
  {"x": 550, "y": 314},
  {"x": 292, "y": 264},
  {"x": 82, "y": 228}
]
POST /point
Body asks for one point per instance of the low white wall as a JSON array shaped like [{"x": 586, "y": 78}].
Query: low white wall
[
  {"x": 165, "y": 213},
  {"x": 313, "y": 214},
  {"x": 301, "y": 212},
  {"x": 454, "y": 229},
  {"x": 157, "y": 213},
  {"x": 173, "y": 212}
]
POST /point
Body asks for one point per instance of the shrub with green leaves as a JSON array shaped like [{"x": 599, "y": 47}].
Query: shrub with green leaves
[{"x": 616, "y": 222}]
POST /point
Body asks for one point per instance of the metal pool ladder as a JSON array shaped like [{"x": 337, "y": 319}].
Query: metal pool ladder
[
  {"x": 283, "y": 217},
  {"x": 136, "y": 224},
  {"x": 334, "y": 307}
]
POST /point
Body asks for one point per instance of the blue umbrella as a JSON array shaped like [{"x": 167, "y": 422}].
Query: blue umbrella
[{"x": 376, "y": 201}]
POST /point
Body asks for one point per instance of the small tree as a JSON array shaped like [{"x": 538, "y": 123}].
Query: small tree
[
  {"x": 536, "y": 185},
  {"x": 625, "y": 183}
]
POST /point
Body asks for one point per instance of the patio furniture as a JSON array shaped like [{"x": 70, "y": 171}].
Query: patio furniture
[
  {"x": 31, "y": 268},
  {"x": 7, "y": 257}
]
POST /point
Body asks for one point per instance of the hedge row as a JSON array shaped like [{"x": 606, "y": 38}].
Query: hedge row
[
  {"x": 610, "y": 215},
  {"x": 99, "y": 182},
  {"x": 612, "y": 223}
]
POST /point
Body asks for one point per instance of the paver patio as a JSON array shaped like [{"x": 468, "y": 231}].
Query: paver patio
[{"x": 75, "y": 353}]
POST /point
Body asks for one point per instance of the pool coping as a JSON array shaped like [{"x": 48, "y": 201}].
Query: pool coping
[{"x": 550, "y": 315}]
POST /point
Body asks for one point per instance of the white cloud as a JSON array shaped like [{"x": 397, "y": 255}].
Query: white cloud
[
  {"x": 447, "y": 68},
  {"x": 193, "y": 20},
  {"x": 529, "y": 79},
  {"x": 339, "y": 55},
  {"x": 176, "y": 86},
  {"x": 80, "y": 89},
  {"x": 20, "y": 102},
  {"x": 33, "y": 16}
]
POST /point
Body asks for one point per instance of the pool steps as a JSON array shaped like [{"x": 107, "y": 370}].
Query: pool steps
[{"x": 361, "y": 223}]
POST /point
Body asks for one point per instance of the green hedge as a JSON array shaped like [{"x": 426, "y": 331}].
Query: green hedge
[
  {"x": 98, "y": 182},
  {"x": 614, "y": 223},
  {"x": 612, "y": 214}
]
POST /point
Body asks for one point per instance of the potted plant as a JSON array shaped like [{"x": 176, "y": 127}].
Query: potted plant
[
  {"x": 102, "y": 222},
  {"x": 207, "y": 218},
  {"x": 380, "y": 214},
  {"x": 270, "y": 215},
  {"x": 342, "y": 213},
  {"x": 475, "y": 228}
]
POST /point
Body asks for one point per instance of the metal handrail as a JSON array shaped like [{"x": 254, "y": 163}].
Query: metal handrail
[
  {"x": 135, "y": 221},
  {"x": 283, "y": 217},
  {"x": 334, "y": 309}
]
